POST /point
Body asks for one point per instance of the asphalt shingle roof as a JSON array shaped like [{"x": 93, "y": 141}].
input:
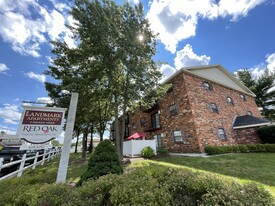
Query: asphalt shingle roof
[{"x": 247, "y": 120}]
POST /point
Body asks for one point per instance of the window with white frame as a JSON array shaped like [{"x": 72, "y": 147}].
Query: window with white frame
[
  {"x": 242, "y": 97},
  {"x": 221, "y": 133},
  {"x": 213, "y": 107},
  {"x": 173, "y": 110},
  {"x": 230, "y": 101},
  {"x": 207, "y": 86},
  {"x": 177, "y": 136},
  {"x": 155, "y": 120}
]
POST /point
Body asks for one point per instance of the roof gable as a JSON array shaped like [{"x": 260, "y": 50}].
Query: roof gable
[
  {"x": 218, "y": 74},
  {"x": 214, "y": 73}
]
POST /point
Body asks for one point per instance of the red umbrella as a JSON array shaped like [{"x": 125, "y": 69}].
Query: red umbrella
[{"x": 136, "y": 136}]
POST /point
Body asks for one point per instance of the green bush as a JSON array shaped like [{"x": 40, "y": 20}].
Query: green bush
[
  {"x": 267, "y": 134},
  {"x": 162, "y": 152},
  {"x": 212, "y": 150},
  {"x": 104, "y": 160},
  {"x": 147, "y": 152},
  {"x": 150, "y": 184}
]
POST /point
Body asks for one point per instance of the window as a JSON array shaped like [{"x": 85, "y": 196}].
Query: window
[
  {"x": 242, "y": 97},
  {"x": 249, "y": 113},
  {"x": 134, "y": 125},
  {"x": 206, "y": 86},
  {"x": 155, "y": 120},
  {"x": 230, "y": 101},
  {"x": 213, "y": 108},
  {"x": 173, "y": 110},
  {"x": 221, "y": 134},
  {"x": 177, "y": 136},
  {"x": 158, "y": 138}
]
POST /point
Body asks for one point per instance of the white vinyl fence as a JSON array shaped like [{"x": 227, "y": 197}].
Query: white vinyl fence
[
  {"x": 134, "y": 147},
  {"x": 47, "y": 155}
]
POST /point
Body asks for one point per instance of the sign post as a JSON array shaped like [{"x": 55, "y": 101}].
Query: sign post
[{"x": 65, "y": 155}]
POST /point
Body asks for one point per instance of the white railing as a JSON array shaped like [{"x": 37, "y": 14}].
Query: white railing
[
  {"x": 45, "y": 156},
  {"x": 134, "y": 147}
]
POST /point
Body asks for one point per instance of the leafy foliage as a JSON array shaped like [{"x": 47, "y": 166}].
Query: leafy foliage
[
  {"x": 212, "y": 150},
  {"x": 147, "y": 152},
  {"x": 261, "y": 86},
  {"x": 104, "y": 160},
  {"x": 162, "y": 151},
  {"x": 267, "y": 134}
]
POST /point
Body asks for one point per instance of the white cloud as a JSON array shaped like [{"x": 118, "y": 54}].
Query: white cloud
[
  {"x": 26, "y": 24},
  {"x": 167, "y": 71},
  {"x": 176, "y": 20},
  {"x": 186, "y": 58},
  {"x": 3, "y": 68},
  {"x": 46, "y": 100},
  {"x": 269, "y": 64},
  {"x": 38, "y": 77},
  {"x": 237, "y": 8},
  {"x": 10, "y": 113}
]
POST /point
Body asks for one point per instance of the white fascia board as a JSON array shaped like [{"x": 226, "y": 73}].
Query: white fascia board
[{"x": 252, "y": 125}]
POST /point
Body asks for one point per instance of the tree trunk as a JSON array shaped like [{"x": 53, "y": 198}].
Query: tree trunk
[
  {"x": 84, "y": 143},
  {"x": 117, "y": 133},
  {"x": 91, "y": 142},
  {"x": 76, "y": 144}
]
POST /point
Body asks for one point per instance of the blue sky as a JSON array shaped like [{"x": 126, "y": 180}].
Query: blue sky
[{"x": 234, "y": 33}]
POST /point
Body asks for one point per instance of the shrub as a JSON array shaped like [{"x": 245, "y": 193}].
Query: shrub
[
  {"x": 151, "y": 184},
  {"x": 162, "y": 152},
  {"x": 147, "y": 152},
  {"x": 267, "y": 134},
  {"x": 104, "y": 160},
  {"x": 212, "y": 150},
  {"x": 243, "y": 148}
]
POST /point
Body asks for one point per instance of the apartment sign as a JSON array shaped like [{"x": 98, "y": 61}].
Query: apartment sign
[{"x": 41, "y": 124}]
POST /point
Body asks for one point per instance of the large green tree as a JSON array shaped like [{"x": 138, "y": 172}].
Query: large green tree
[
  {"x": 112, "y": 61},
  {"x": 263, "y": 87}
]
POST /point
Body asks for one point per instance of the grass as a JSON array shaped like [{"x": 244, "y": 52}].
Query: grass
[
  {"x": 258, "y": 167},
  {"x": 75, "y": 169}
]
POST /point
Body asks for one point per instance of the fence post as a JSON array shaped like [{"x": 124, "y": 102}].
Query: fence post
[
  {"x": 49, "y": 156},
  {"x": 1, "y": 162},
  {"x": 43, "y": 159},
  {"x": 53, "y": 155},
  {"x": 20, "y": 171},
  {"x": 35, "y": 160}
]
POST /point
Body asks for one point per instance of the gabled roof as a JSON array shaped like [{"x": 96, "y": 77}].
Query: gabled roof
[
  {"x": 247, "y": 121},
  {"x": 215, "y": 73}
]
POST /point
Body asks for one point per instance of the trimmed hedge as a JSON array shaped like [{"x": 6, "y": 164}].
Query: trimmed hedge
[
  {"x": 212, "y": 150},
  {"x": 267, "y": 134},
  {"x": 150, "y": 184}
]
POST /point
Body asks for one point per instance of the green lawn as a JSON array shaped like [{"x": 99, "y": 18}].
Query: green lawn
[{"x": 259, "y": 167}]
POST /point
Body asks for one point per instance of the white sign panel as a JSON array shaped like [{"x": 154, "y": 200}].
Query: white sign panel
[{"x": 40, "y": 124}]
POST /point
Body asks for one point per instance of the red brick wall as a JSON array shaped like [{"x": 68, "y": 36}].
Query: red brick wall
[
  {"x": 195, "y": 119},
  {"x": 247, "y": 136},
  {"x": 207, "y": 122}
]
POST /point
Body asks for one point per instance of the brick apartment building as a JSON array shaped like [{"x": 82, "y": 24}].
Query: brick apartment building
[{"x": 206, "y": 105}]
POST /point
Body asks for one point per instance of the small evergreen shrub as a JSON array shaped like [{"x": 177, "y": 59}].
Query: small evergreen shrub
[
  {"x": 103, "y": 161},
  {"x": 162, "y": 152},
  {"x": 267, "y": 134},
  {"x": 147, "y": 152}
]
